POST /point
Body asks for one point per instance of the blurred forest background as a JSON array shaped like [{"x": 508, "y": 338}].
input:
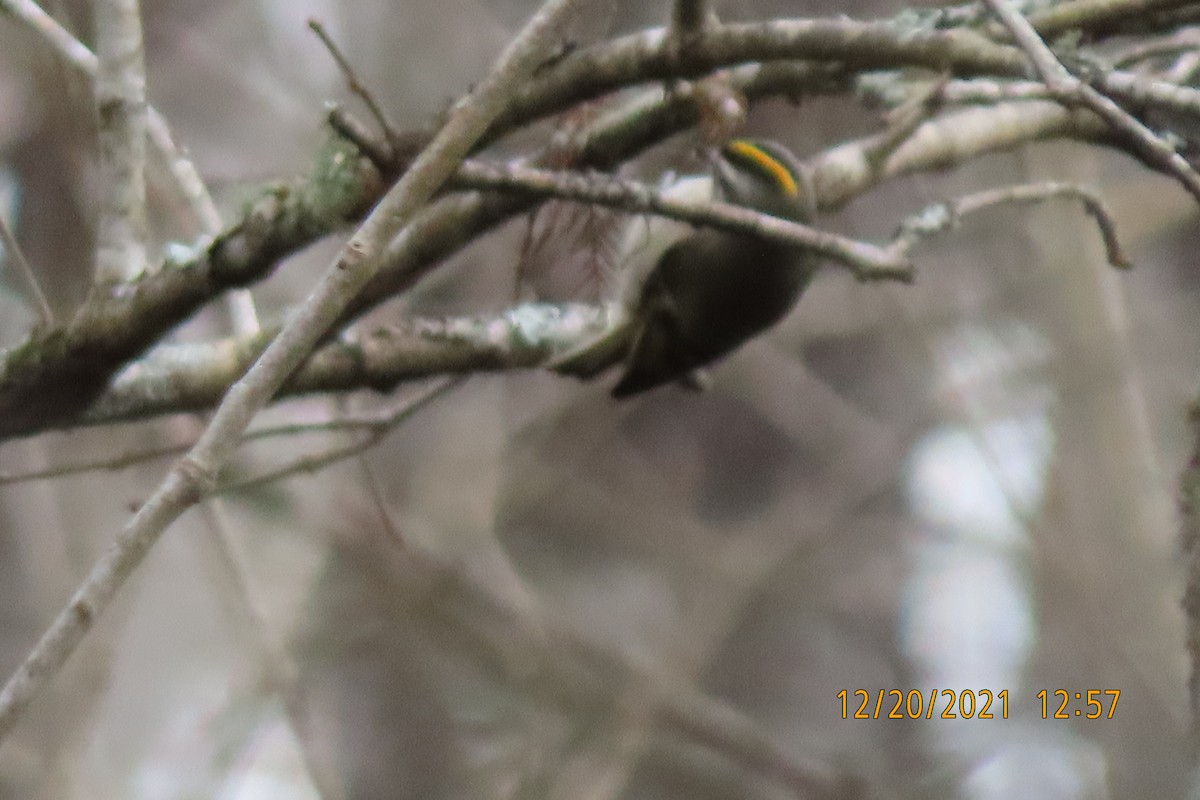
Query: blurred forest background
[{"x": 966, "y": 483}]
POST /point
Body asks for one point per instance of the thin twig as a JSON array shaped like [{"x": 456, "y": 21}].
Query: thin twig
[
  {"x": 45, "y": 26},
  {"x": 944, "y": 216},
  {"x": 366, "y": 420},
  {"x": 191, "y": 187},
  {"x": 380, "y": 153},
  {"x": 376, "y": 432},
  {"x": 278, "y": 667},
  {"x": 308, "y": 463},
  {"x": 105, "y": 464},
  {"x": 379, "y": 500},
  {"x": 194, "y": 475},
  {"x": 1044, "y": 61},
  {"x": 1174, "y": 43},
  {"x": 17, "y": 258},
  {"x": 866, "y": 261},
  {"x": 904, "y": 120},
  {"x": 355, "y": 85}
]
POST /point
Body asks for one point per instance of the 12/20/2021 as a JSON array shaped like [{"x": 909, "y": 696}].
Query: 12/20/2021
[{"x": 915, "y": 704}]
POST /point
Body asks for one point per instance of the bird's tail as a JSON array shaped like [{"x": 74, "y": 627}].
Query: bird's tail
[{"x": 593, "y": 357}]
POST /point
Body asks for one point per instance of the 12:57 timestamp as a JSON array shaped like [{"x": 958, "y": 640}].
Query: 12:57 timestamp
[{"x": 1061, "y": 704}]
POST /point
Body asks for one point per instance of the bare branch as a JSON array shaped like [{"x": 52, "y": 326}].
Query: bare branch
[
  {"x": 362, "y": 421},
  {"x": 356, "y": 86},
  {"x": 377, "y": 429},
  {"x": 278, "y": 667},
  {"x": 13, "y": 253},
  {"x": 865, "y": 261},
  {"x": 1173, "y": 44},
  {"x": 380, "y": 153},
  {"x": 944, "y": 216},
  {"x": 904, "y": 120},
  {"x": 47, "y": 28}
]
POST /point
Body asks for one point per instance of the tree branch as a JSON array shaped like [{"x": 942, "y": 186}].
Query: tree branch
[{"x": 944, "y": 216}]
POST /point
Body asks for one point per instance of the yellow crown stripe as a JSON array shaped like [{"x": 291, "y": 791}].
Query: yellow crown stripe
[{"x": 777, "y": 171}]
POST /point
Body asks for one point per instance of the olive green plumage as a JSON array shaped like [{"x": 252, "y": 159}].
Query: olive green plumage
[{"x": 713, "y": 290}]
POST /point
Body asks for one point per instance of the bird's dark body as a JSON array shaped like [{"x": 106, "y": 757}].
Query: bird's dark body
[
  {"x": 714, "y": 290},
  {"x": 690, "y": 313}
]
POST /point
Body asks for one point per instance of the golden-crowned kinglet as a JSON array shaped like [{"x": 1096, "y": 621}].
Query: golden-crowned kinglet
[{"x": 713, "y": 290}]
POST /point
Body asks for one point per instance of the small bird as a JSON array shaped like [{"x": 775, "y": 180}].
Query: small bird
[{"x": 712, "y": 291}]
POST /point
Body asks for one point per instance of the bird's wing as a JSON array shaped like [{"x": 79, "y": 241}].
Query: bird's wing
[
  {"x": 658, "y": 353},
  {"x": 596, "y": 355}
]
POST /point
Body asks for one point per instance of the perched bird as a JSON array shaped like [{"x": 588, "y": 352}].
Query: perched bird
[{"x": 713, "y": 290}]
